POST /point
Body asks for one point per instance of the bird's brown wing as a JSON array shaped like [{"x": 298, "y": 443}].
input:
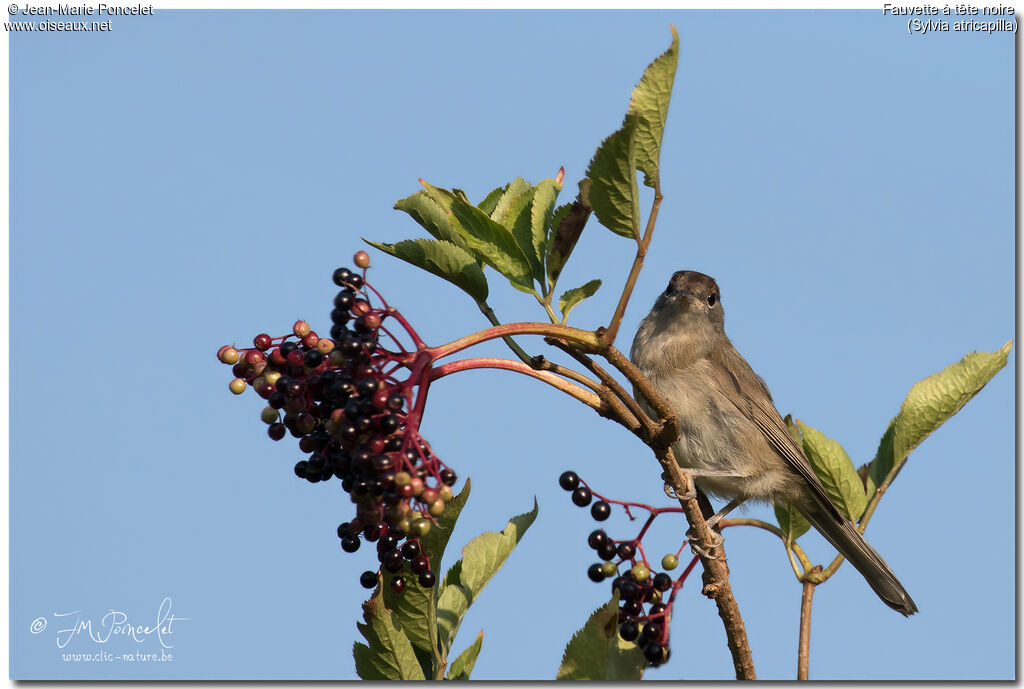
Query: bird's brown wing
[{"x": 750, "y": 396}]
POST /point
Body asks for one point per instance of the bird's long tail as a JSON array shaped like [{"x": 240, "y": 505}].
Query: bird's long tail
[{"x": 851, "y": 545}]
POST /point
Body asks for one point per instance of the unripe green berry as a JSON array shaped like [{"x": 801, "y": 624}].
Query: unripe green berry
[
  {"x": 640, "y": 573},
  {"x": 402, "y": 478},
  {"x": 609, "y": 569},
  {"x": 237, "y": 386},
  {"x": 446, "y": 493},
  {"x": 669, "y": 562},
  {"x": 271, "y": 377},
  {"x": 437, "y": 508},
  {"x": 269, "y": 415},
  {"x": 420, "y": 528}
]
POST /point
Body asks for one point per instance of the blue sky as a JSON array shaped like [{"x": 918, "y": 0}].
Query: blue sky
[{"x": 191, "y": 179}]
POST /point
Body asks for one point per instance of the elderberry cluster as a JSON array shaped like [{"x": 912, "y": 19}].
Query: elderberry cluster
[
  {"x": 645, "y": 596},
  {"x": 340, "y": 397}
]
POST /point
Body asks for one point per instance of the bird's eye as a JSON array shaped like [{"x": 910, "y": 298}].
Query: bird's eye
[{"x": 712, "y": 299}]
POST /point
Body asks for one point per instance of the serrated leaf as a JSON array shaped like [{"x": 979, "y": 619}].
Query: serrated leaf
[
  {"x": 833, "y": 466},
  {"x": 388, "y": 654},
  {"x": 792, "y": 524},
  {"x": 513, "y": 190},
  {"x": 567, "y": 225},
  {"x": 612, "y": 173},
  {"x": 416, "y": 606},
  {"x": 541, "y": 210},
  {"x": 444, "y": 260},
  {"x": 462, "y": 667},
  {"x": 518, "y": 221},
  {"x": 481, "y": 559},
  {"x": 568, "y": 301},
  {"x": 597, "y": 652},
  {"x": 491, "y": 200},
  {"x": 493, "y": 243},
  {"x": 650, "y": 103},
  {"x": 929, "y": 404},
  {"x": 431, "y": 215}
]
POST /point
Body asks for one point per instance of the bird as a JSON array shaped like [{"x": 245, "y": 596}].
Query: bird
[{"x": 732, "y": 438}]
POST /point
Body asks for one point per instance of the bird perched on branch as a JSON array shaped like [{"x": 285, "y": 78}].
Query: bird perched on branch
[{"x": 733, "y": 440}]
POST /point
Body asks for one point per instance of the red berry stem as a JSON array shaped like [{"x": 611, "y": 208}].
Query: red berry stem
[{"x": 551, "y": 379}]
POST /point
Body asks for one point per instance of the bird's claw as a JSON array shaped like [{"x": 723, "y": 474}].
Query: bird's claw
[
  {"x": 716, "y": 542},
  {"x": 671, "y": 492}
]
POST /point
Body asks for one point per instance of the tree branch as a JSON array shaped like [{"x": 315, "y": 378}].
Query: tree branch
[{"x": 717, "y": 587}]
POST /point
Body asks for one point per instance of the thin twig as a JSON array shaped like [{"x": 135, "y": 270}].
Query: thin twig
[
  {"x": 650, "y": 427},
  {"x": 669, "y": 431},
  {"x": 584, "y": 396},
  {"x": 586, "y": 339},
  {"x": 791, "y": 549},
  {"x": 638, "y": 261},
  {"x": 803, "y": 655}
]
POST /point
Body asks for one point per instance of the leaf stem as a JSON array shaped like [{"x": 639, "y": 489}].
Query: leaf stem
[{"x": 791, "y": 549}]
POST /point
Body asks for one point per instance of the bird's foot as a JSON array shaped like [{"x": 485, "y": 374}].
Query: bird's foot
[
  {"x": 671, "y": 492},
  {"x": 716, "y": 542}
]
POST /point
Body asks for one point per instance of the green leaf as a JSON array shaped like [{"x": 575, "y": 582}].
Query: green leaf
[
  {"x": 493, "y": 243},
  {"x": 928, "y": 405},
  {"x": 462, "y": 667},
  {"x": 612, "y": 173},
  {"x": 791, "y": 522},
  {"x": 444, "y": 259},
  {"x": 518, "y": 222},
  {"x": 387, "y": 653},
  {"x": 650, "y": 103},
  {"x": 513, "y": 190},
  {"x": 543, "y": 204},
  {"x": 568, "y": 301},
  {"x": 432, "y": 215},
  {"x": 416, "y": 606},
  {"x": 491, "y": 200},
  {"x": 567, "y": 224},
  {"x": 597, "y": 652},
  {"x": 481, "y": 559},
  {"x": 833, "y": 466}
]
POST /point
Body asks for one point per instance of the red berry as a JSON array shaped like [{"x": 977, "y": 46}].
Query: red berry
[
  {"x": 262, "y": 342},
  {"x": 310, "y": 340},
  {"x": 254, "y": 356},
  {"x": 361, "y": 259},
  {"x": 301, "y": 328}
]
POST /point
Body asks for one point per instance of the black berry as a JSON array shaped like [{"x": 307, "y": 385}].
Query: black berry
[
  {"x": 600, "y": 510},
  {"x": 368, "y": 579},
  {"x": 582, "y": 496},
  {"x": 569, "y": 480}
]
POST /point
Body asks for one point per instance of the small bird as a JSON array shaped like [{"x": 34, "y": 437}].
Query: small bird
[{"x": 732, "y": 438}]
